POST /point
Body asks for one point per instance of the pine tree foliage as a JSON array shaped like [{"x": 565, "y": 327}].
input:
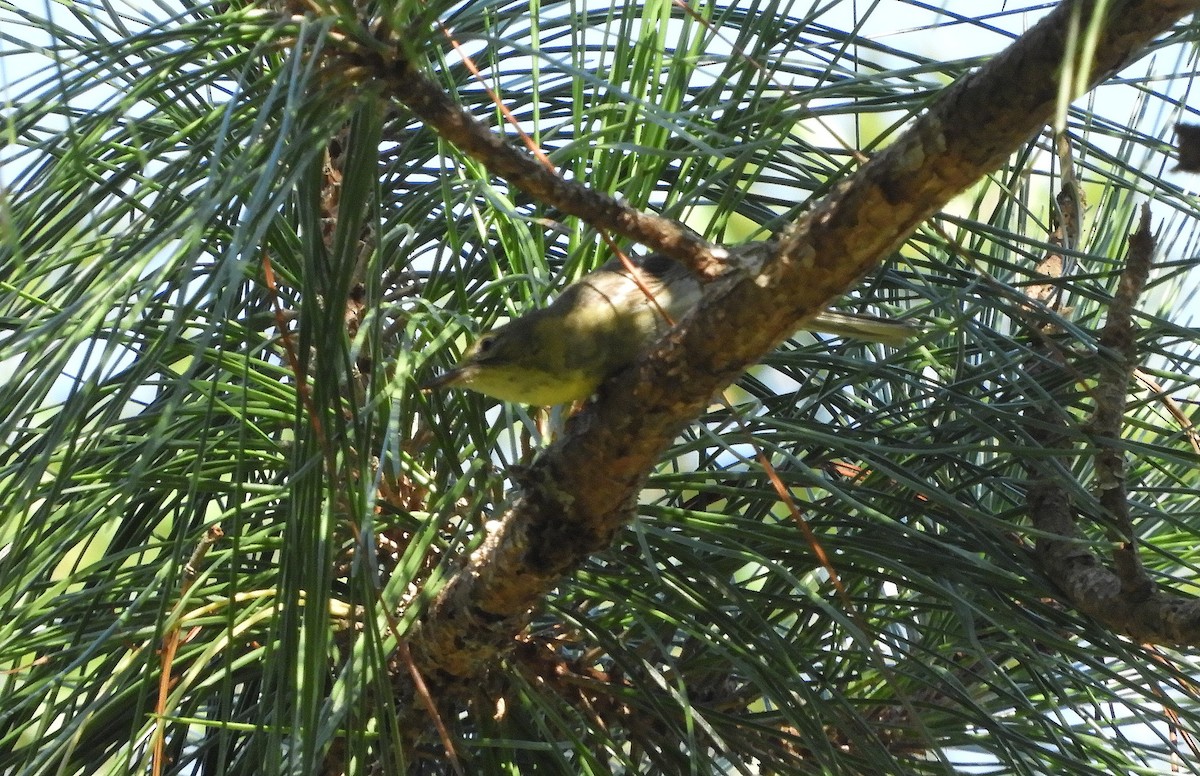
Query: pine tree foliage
[{"x": 227, "y": 261}]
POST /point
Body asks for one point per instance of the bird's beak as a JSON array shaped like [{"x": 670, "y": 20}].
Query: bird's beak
[{"x": 447, "y": 378}]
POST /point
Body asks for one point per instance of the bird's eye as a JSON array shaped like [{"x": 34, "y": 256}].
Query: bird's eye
[{"x": 485, "y": 344}]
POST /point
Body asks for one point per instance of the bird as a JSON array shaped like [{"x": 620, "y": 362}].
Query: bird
[{"x": 596, "y": 327}]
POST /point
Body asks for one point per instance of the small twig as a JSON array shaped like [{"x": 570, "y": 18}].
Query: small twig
[
  {"x": 469, "y": 63},
  {"x": 1188, "y": 146},
  {"x": 1118, "y": 345},
  {"x": 1178, "y": 729},
  {"x": 1067, "y": 232},
  {"x": 1173, "y": 408},
  {"x": 426, "y": 698},
  {"x": 1127, "y": 601},
  {"x": 432, "y": 105},
  {"x": 170, "y": 645},
  {"x": 192, "y": 567},
  {"x": 289, "y": 350}
]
